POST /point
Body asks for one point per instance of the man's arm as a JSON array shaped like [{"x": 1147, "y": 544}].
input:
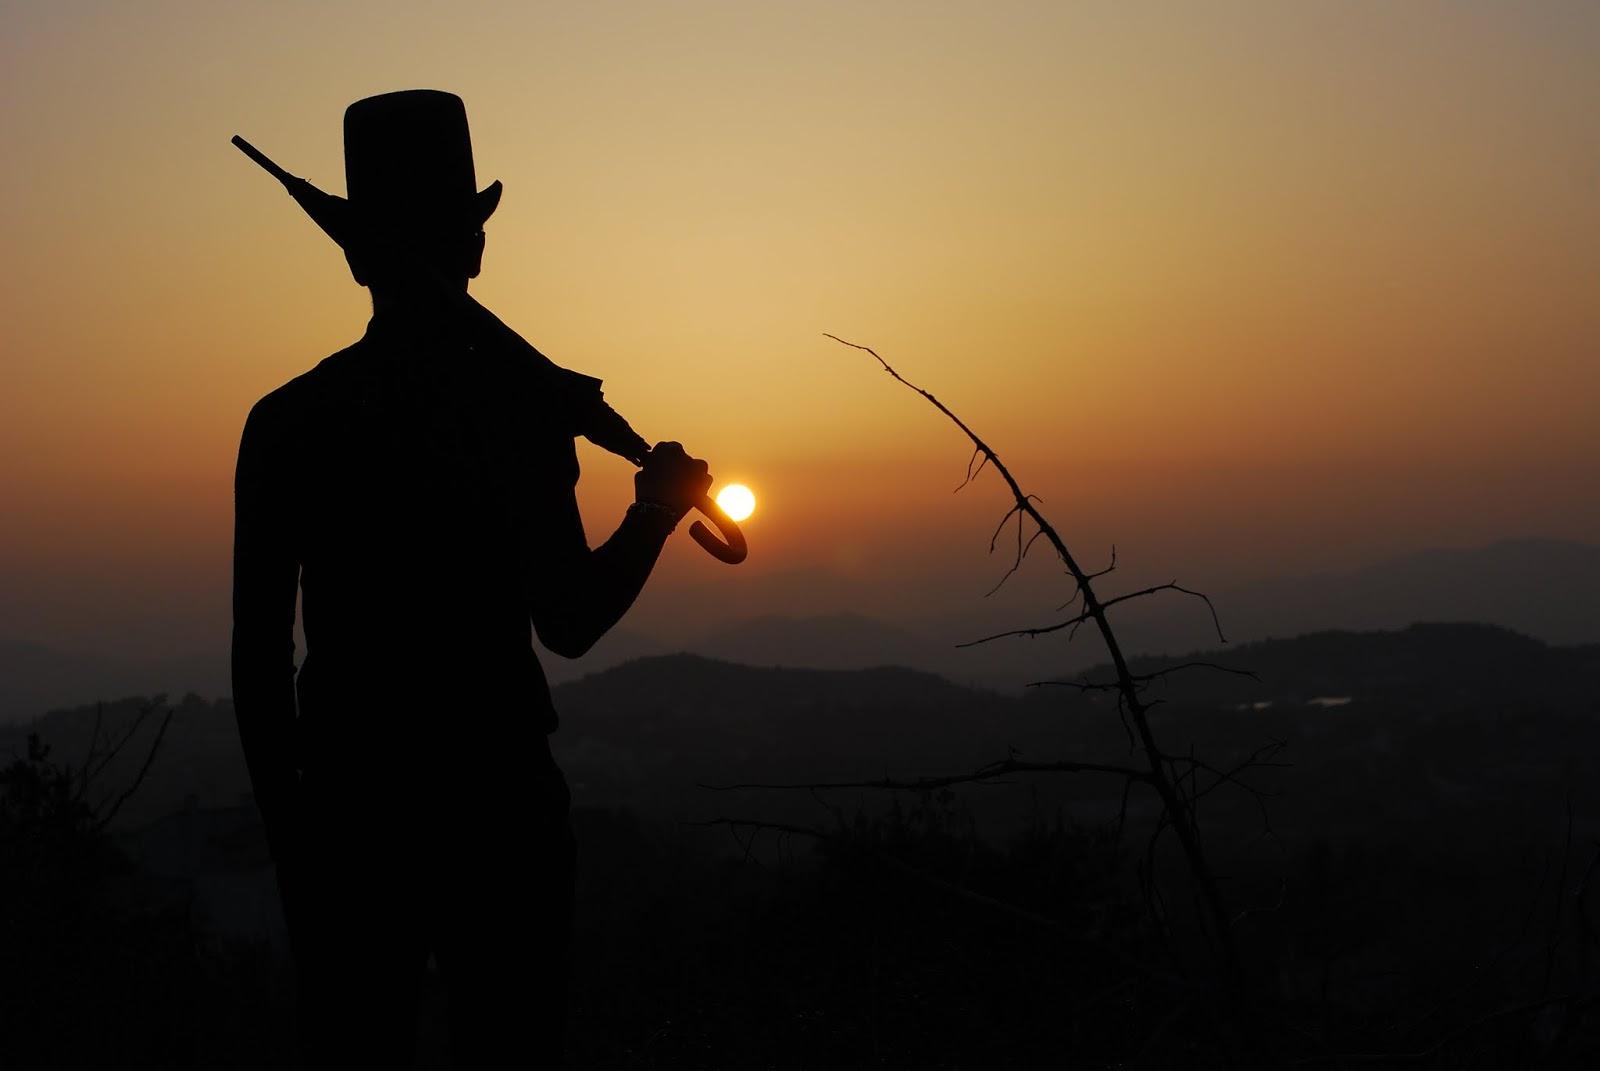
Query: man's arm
[
  {"x": 590, "y": 590},
  {"x": 266, "y": 574}
]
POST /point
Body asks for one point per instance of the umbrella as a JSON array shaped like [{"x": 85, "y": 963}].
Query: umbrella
[{"x": 593, "y": 418}]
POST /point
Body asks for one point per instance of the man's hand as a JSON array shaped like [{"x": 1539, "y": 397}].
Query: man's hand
[{"x": 670, "y": 477}]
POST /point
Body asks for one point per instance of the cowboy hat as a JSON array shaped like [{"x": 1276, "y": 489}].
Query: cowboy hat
[{"x": 408, "y": 163}]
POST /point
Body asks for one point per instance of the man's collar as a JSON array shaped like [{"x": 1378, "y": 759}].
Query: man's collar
[{"x": 392, "y": 329}]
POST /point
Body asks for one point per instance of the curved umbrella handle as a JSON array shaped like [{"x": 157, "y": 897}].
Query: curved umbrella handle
[{"x": 732, "y": 551}]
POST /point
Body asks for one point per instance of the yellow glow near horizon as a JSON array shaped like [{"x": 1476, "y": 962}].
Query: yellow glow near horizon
[
  {"x": 737, "y": 501},
  {"x": 1247, "y": 289}
]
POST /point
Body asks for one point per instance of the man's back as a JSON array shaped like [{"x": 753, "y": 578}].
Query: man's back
[{"x": 428, "y": 498}]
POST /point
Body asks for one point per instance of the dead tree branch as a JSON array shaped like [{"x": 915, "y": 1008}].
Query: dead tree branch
[
  {"x": 1001, "y": 768},
  {"x": 961, "y": 892},
  {"x": 1177, "y": 808},
  {"x": 1104, "y": 605},
  {"x": 104, "y": 816},
  {"x": 1086, "y": 685}
]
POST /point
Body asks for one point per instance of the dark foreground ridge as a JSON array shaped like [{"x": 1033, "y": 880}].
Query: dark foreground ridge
[
  {"x": 631, "y": 728},
  {"x": 1421, "y": 825}
]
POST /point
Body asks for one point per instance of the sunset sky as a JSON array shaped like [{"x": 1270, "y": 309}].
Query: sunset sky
[{"x": 1245, "y": 289}]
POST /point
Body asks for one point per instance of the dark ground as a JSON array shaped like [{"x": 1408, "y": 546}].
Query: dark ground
[{"x": 1422, "y": 891}]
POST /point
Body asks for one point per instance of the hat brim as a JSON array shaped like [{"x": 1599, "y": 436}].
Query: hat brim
[
  {"x": 473, "y": 214},
  {"x": 486, "y": 200},
  {"x": 345, "y": 222}
]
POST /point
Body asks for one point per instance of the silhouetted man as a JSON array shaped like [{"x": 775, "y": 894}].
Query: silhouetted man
[{"x": 418, "y": 489}]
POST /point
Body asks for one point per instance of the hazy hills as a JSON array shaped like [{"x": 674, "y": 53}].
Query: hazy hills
[
  {"x": 825, "y": 641},
  {"x": 34, "y": 678},
  {"x": 642, "y": 735},
  {"x": 632, "y": 735},
  {"x": 1433, "y": 667},
  {"x": 1546, "y": 589}
]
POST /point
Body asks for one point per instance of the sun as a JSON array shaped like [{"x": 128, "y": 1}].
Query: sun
[{"x": 736, "y": 501}]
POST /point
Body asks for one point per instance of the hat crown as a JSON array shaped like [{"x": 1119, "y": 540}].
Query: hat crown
[{"x": 408, "y": 159}]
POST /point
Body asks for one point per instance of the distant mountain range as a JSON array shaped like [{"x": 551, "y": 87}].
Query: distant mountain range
[
  {"x": 1471, "y": 702},
  {"x": 825, "y": 641},
  {"x": 34, "y": 678},
  {"x": 1437, "y": 667},
  {"x": 1545, "y": 589}
]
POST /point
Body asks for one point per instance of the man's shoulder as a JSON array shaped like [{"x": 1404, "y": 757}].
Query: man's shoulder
[{"x": 305, "y": 392}]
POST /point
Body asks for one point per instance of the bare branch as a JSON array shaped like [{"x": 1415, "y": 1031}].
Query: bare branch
[
  {"x": 149, "y": 758},
  {"x": 1572, "y": 1001},
  {"x": 1122, "y": 719},
  {"x": 1082, "y": 685},
  {"x": 84, "y": 776},
  {"x": 1077, "y": 593},
  {"x": 1557, "y": 914},
  {"x": 1031, "y": 541},
  {"x": 1021, "y": 554},
  {"x": 1171, "y": 586},
  {"x": 1086, "y": 685},
  {"x": 1089, "y": 615},
  {"x": 1030, "y": 632},
  {"x": 960, "y": 891},
  {"x": 1195, "y": 665},
  {"x": 999, "y": 768},
  {"x": 1014, "y": 511},
  {"x": 1122, "y": 812},
  {"x": 1586, "y": 928},
  {"x": 133, "y": 728},
  {"x": 972, "y": 473},
  {"x": 1176, "y": 810},
  {"x": 1077, "y": 590},
  {"x": 1261, "y": 758},
  {"x": 1283, "y": 896}
]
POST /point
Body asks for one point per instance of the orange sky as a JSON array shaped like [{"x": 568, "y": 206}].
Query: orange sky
[{"x": 1245, "y": 288}]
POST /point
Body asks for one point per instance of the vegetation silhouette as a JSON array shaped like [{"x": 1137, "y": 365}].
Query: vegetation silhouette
[
  {"x": 91, "y": 977},
  {"x": 1418, "y": 867},
  {"x": 416, "y": 490}
]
